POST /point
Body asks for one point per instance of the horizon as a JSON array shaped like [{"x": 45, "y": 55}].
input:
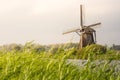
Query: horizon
[{"x": 44, "y": 21}]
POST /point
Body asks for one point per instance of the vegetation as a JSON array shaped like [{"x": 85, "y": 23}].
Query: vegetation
[
  {"x": 40, "y": 62},
  {"x": 97, "y": 52}
]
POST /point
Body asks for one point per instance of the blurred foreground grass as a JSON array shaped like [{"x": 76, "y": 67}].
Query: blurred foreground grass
[{"x": 31, "y": 63}]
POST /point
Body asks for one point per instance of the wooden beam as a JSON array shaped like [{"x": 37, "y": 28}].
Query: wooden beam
[
  {"x": 81, "y": 16},
  {"x": 92, "y": 25},
  {"x": 70, "y": 31}
]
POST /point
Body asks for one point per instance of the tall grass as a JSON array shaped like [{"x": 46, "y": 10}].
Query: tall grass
[{"x": 28, "y": 65}]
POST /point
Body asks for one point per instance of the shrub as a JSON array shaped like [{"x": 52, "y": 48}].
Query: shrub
[{"x": 91, "y": 50}]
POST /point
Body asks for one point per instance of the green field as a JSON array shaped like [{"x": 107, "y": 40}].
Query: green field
[{"x": 33, "y": 63}]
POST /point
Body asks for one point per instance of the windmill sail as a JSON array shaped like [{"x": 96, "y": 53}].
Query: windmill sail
[
  {"x": 92, "y": 25},
  {"x": 81, "y": 16},
  {"x": 72, "y": 30}
]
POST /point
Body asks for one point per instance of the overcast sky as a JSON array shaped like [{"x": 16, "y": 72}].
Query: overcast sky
[{"x": 44, "y": 20}]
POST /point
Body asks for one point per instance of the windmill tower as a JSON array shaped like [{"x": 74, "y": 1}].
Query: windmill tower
[{"x": 87, "y": 33}]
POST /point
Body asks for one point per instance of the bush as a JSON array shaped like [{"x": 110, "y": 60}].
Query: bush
[{"x": 91, "y": 50}]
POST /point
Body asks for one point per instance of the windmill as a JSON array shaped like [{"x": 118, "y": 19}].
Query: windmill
[{"x": 87, "y": 33}]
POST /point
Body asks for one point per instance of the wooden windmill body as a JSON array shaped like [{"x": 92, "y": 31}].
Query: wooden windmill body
[{"x": 87, "y": 33}]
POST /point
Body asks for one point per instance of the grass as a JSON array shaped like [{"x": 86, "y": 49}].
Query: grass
[
  {"x": 96, "y": 52},
  {"x": 32, "y": 66},
  {"x": 27, "y": 64}
]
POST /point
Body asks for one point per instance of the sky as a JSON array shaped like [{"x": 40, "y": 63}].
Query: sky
[{"x": 44, "y": 21}]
